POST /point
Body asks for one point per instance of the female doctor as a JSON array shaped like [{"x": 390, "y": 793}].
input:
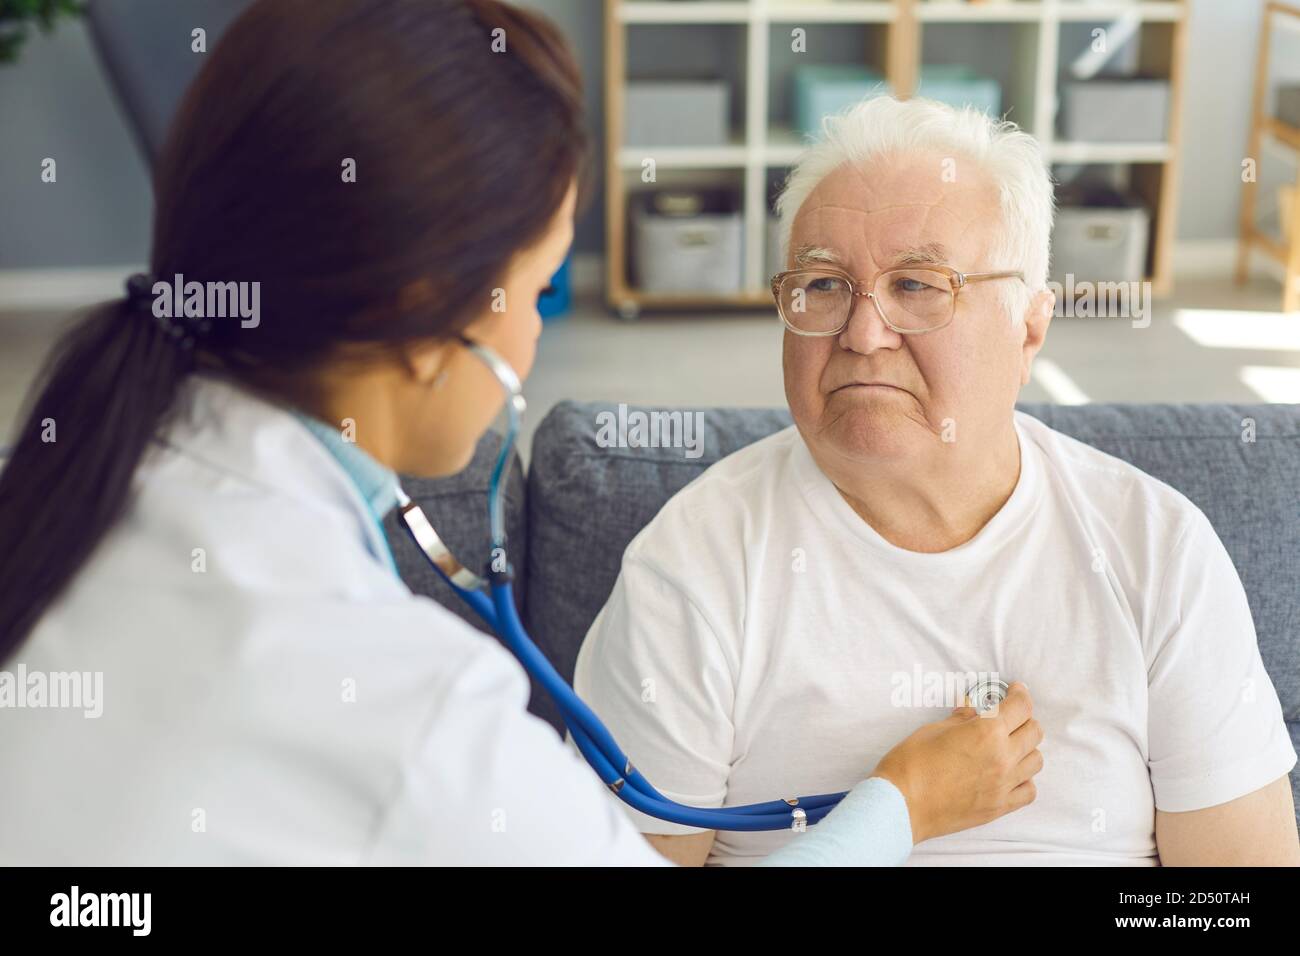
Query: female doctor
[{"x": 188, "y": 540}]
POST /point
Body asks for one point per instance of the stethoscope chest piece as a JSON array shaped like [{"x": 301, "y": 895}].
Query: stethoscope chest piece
[{"x": 986, "y": 695}]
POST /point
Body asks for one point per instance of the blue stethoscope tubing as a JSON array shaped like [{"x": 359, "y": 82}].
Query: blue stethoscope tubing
[{"x": 492, "y": 599}]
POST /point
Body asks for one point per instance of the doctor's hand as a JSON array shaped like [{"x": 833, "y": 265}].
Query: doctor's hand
[{"x": 967, "y": 769}]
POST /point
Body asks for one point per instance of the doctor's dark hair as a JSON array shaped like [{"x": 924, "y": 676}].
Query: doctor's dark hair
[{"x": 464, "y": 121}]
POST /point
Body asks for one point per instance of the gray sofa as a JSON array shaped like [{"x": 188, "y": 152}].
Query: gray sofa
[{"x": 581, "y": 504}]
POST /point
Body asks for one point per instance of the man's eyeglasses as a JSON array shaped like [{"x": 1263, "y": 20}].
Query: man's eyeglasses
[{"x": 819, "y": 301}]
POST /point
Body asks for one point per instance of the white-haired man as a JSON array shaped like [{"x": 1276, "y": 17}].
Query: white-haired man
[{"x": 797, "y": 606}]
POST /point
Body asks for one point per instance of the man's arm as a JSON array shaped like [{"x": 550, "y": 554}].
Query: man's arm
[
  {"x": 1258, "y": 829},
  {"x": 690, "y": 850},
  {"x": 1219, "y": 760}
]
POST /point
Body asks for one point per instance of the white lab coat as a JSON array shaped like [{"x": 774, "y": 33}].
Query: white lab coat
[{"x": 271, "y": 693}]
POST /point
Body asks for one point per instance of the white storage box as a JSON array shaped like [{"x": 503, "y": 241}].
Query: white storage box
[
  {"x": 682, "y": 254},
  {"x": 675, "y": 113},
  {"x": 1098, "y": 244}
]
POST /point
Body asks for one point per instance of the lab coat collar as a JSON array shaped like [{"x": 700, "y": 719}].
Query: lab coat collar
[{"x": 230, "y": 428}]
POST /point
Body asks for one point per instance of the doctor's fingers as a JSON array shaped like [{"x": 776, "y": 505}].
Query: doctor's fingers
[
  {"x": 1022, "y": 796},
  {"x": 1026, "y": 738},
  {"x": 1016, "y": 708},
  {"x": 1028, "y": 767}
]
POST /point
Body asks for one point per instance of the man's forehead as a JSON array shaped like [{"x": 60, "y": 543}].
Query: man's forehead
[
  {"x": 896, "y": 249},
  {"x": 902, "y": 212},
  {"x": 900, "y": 189}
]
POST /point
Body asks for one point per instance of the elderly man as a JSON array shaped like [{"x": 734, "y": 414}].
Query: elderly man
[{"x": 795, "y": 608}]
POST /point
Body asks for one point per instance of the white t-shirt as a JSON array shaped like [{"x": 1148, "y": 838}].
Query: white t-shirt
[{"x": 763, "y": 641}]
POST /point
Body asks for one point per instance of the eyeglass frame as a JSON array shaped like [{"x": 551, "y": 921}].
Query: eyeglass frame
[{"x": 957, "y": 279}]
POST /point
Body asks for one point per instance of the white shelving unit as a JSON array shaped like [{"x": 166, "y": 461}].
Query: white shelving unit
[{"x": 762, "y": 147}]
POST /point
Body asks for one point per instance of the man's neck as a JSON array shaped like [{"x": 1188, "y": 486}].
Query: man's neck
[{"x": 938, "y": 502}]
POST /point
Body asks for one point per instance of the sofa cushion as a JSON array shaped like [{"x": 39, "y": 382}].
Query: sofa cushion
[{"x": 586, "y": 502}]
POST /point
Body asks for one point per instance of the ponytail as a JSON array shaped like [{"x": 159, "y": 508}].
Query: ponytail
[{"x": 97, "y": 404}]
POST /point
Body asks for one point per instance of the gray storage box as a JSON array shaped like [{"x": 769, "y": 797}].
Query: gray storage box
[
  {"x": 1115, "y": 111},
  {"x": 687, "y": 254},
  {"x": 1099, "y": 244},
  {"x": 675, "y": 113},
  {"x": 1288, "y": 105}
]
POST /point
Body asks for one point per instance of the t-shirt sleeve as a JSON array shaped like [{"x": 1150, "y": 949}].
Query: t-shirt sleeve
[
  {"x": 653, "y": 670},
  {"x": 1215, "y": 726}
]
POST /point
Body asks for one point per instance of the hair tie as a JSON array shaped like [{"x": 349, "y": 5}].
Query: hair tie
[
  {"x": 184, "y": 332},
  {"x": 139, "y": 290}
]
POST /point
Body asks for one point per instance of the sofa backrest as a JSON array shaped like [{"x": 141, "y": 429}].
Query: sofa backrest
[{"x": 586, "y": 502}]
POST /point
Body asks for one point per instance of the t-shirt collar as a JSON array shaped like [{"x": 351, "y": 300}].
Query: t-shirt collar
[{"x": 829, "y": 506}]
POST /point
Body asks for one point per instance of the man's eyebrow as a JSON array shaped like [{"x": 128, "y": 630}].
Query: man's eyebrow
[
  {"x": 927, "y": 254},
  {"x": 807, "y": 255}
]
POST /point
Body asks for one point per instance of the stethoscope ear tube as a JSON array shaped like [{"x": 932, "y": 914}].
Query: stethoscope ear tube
[{"x": 496, "y": 608}]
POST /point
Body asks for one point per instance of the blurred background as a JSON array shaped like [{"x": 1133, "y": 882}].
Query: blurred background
[{"x": 1173, "y": 128}]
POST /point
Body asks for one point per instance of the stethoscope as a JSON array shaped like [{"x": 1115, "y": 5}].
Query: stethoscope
[{"x": 490, "y": 596}]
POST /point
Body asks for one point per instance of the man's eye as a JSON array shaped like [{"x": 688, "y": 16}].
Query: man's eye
[
  {"x": 825, "y": 284},
  {"x": 912, "y": 286}
]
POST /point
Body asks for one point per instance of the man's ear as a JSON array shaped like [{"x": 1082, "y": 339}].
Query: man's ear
[{"x": 1037, "y": 318}]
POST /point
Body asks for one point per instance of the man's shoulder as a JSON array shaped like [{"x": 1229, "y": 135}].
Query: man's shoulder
[
  {"x": 1108, "y": 488},
  {"x": 738, "y": 479},
  {"x": 722, "y": 502}
]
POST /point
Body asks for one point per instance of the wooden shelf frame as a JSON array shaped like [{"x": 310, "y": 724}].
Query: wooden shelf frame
[
  {"x": 760, "y": 148},
  {"x": 1253, "y": 239}
]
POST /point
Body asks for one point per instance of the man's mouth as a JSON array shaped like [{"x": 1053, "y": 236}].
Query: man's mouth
[{"x": 869, "y": 386}]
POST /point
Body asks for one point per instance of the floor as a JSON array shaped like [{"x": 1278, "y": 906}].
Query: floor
[{"x": 1210, "y": 342}]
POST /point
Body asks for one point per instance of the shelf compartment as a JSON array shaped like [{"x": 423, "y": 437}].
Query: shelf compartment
[
  {"x": 1007, "y": 53},
  {"x": 859, "y": 47}
]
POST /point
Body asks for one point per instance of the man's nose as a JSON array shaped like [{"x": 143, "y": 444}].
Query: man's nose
[{"x": 867, "y": 331}]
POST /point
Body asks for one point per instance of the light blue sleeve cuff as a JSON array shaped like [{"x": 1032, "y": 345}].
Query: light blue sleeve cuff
[{"x": 870, "y": 827}]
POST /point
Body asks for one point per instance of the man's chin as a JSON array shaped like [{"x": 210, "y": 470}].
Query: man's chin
[{"x": 873, "y": 431}]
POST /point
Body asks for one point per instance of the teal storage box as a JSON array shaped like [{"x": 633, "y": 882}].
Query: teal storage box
[
  {"x": 823, "y": 89},
  {"x": 958, "y": 86}
]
